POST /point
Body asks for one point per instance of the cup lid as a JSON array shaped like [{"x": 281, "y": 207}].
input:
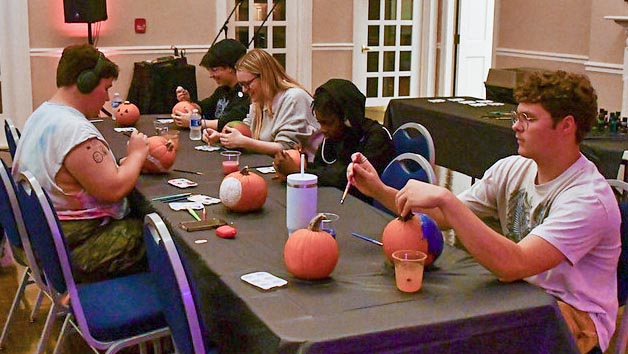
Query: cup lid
[{"x": 301, "y": 178}]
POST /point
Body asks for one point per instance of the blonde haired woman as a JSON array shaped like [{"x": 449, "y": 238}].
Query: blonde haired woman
[{"x": 280, "y": 115}]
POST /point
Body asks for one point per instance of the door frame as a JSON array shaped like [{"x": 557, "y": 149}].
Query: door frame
[
  {"x": 15, "y": 64},
  {"x": 426, "y": 62}
]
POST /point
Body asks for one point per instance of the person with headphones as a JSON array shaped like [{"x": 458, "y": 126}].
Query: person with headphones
[
  {"x": 228, "y": 102},
  {"x": 74, "y": 165}
]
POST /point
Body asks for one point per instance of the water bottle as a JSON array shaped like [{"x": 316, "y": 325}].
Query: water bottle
[
  {"x": 195, "y": 125},
  {"x": 116, "y": 101}
]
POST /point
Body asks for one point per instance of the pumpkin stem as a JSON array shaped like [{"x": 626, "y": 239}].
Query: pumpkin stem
[
  {"x": 245, "y": 170},
  {"x": 315, "y": 223},
  {"x": 406, "y": 217},
  {"x": 169, "y": 145}
]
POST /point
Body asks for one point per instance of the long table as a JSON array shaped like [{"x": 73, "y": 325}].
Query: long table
[
  {"x": 468, "y": 141},
  {"x": 461, "y": 307}
]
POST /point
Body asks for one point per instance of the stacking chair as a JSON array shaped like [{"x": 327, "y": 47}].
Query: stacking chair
[
  {"x": 110, "y": 314},
  {"x": 621, "y": 189},
  {"x": 414, "y": 137},
  {"x": 403, "y": 168},
  {"x": 175, "y": 291},
  {"x": 13, "y": 225},
  {"x": 13, "y": 135}
]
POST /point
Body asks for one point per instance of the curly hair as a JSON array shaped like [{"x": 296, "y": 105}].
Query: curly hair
[
  {"x": 561, "y": 94},
  {"x": 78, "y": 58}
]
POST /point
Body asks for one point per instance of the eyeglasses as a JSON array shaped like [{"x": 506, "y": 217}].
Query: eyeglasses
[
  {"x": 247, "y": 84},
  {"x": 521, "y": 117}
]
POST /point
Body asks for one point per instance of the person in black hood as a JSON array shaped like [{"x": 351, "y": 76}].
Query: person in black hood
[{"x": 339, "y": 108}]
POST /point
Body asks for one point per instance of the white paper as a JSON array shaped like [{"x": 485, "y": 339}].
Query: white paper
[
  {"x": 124, "y": 129},
  {"x": 269, "y": 169},
  {"x": 207, "y": 148},
  {"x": 264, "y": 280},
  {"x": 185, "y": 206},
  {"x": 203, "y": 199}
]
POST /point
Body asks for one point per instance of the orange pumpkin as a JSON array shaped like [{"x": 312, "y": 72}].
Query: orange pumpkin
[
  {"x": 243, "y": 191},
  {"x": 183, "y": 106},
  {"x": 161, "y": 155},
  {"x": 127, "y": 114},
  {"x": 311, "y": 253},
  {"x": 240, "y": 126},
  {"x": 413, "y": 232},
  {"x": 295, "y": 155}
]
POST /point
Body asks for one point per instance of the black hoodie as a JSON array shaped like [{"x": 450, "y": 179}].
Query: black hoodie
[{"x": 365, "y": 135}]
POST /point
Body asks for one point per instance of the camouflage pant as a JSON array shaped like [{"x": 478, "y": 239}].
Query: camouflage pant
[{"x": 100, "y": 252}]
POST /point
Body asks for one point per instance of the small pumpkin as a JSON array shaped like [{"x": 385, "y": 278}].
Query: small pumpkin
[
  {"x": 311, "y": 253},
  {"x": 240, "y": 126},
  {"x": 161, "y": 155},
  {"x": 127, "y": 114},
  {"x": 243, "y": 191},
  {"x": 413, "y": 232},
  {"x": 183, "y": 106},
  {"x": 295, "y": 155}
]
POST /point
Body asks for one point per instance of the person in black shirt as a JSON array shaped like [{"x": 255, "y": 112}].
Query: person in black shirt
[
  {"x": 228, "y": 102},
  {"x": 339, "y": 108}
]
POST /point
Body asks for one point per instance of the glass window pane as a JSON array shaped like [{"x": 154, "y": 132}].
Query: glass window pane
[
  {"x": 374, "y": 9},
  {"x": 371, "y": 87},
  {"x": 243, "y": 10},
  {"x": 260, "y": 9},
  {"x": 261, "y": 37},
  {"x": 242, "y": 35},
  {"x": 280, "y": 10},
  {"x": 406, "y": 9},
  {"x": 281, "y": 58},
  {"x": 372, "y": 62},
  {"x": 389, "y": 35},
  {"x": 373, "y": 39},
  {"x": 404, "y": 86},
  {"x": 388, "y": 87},
  {"x": 390, "y": 9},
  {"x": 279, "y": 36},
  {"x": 405, "y": 60},
  {"x": 406, "y": 35},
  {"x": 389, "y": 61}
]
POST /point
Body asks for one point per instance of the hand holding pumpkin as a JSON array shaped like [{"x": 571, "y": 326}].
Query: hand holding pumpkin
[
  {"x": 419, "y": 195},
  {"x": 287, "y": 162},
  {"x": 232, "y": 139}
]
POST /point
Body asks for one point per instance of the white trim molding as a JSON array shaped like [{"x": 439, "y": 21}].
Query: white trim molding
[
  {"x": 601, "y": 67},
  {"x": 331, "y": 46},
  {"x": 533, "y": 54},
  {"x": 133, "y": 50}
]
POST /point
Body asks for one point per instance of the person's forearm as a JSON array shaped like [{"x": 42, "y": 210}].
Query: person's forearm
[{"x": 263, "y": 147}]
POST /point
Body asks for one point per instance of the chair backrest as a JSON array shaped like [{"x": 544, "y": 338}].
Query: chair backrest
[
  {"x": 176, "y": 294},
  {"x": 13, "y": 135},
  {"x": 13, "y": 223},
  {"x": 414, "y": 137},
  {"x": 621, "y": 189},
  {"x": 403, "y": 168}
]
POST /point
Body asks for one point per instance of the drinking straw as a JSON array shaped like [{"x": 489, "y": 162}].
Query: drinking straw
[{"x": 302, "y": 165}]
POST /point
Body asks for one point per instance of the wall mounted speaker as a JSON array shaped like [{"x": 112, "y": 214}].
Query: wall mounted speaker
[{"x": 84, "y": 11}]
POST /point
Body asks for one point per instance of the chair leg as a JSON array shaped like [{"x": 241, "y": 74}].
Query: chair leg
[
  {"x": 45, "y": 333},
  {"x": 19, "y": 296},
  {"x": 62, "y": 334},
  {"x": 622, "y": 334},
  {"x": 36, "y": 306}
]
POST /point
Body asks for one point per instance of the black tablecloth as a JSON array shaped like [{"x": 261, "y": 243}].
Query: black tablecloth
[
  {"x": 461, "y": 308},
  {"x": 467, "y": 141}
]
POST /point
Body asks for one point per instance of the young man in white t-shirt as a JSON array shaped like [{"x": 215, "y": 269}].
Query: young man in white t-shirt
[{"x": 559, "y": 217}]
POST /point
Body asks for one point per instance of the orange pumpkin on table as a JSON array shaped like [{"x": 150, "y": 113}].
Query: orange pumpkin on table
[
  {"x": 161, "y": 155},
  {"x": 127, "y": 114},
  {"x": 240, "y": 126},
  {"x": 295, "y": 155},
  {"x": 413, "y": 232},
  {"x": 311, "y": 253},
  {"x": 243, "y": 191},
  {"x": 183, "y": 106}
]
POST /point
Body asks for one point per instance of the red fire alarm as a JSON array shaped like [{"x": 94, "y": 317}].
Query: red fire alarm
[{"x": 140, "y": 25}]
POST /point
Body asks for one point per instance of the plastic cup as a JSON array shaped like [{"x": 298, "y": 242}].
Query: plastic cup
[
  {"x": 160, "y": 127},
  {"x": 230, "y": 161},
  {"x": 409, "y": 266},
  {"x": 329, "y": 223},
  {"x": 172, "y": 135}
]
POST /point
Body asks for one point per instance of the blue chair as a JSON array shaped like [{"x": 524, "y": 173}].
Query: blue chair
[
  {"x": 175, "y": 291},
  {"x": 403, "y": 168},
  {"x": 414, "y": 137},
  {"x": 109, "y": 315},
  {"x": 13, "y": 225},
  {"x": 621, "y": 332},
  {"x": 13, "y": 135}
]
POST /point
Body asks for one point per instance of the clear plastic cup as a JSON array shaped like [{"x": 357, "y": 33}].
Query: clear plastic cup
[
  {"x": 409, "y": 266},
  {"x": 230, "y": 161}
]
